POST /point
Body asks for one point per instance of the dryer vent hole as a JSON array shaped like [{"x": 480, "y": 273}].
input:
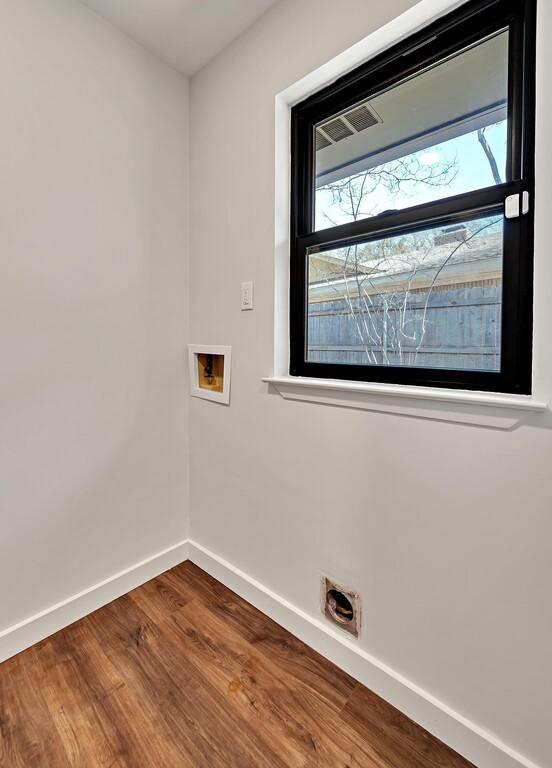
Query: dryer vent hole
[{"x": 340, "y": 606}]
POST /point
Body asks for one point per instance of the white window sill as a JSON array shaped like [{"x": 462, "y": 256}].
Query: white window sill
[{"x": 485, "y": 409}]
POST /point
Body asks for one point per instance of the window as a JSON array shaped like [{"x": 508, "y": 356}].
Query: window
[{"x": 411, "y": 216}]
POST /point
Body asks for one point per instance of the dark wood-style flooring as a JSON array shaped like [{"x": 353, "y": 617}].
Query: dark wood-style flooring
[{"x": 183, "y": 673}]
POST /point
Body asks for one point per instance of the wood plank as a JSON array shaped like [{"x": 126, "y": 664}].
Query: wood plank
[
  {"x": 400, "y": 742},
  {"x": 279, "y": 706},
  {"x": 20, "y": 736},
  {"x": 316, "y": 671},
  {"x": 144, "y": 654}
]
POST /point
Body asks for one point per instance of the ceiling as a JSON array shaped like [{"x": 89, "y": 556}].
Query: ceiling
[{"x": 185, "y": 33}]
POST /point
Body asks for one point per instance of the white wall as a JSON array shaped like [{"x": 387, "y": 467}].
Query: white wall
[
  {"x": 445, "y": 529},
  {"x": 93, "y": 310}
]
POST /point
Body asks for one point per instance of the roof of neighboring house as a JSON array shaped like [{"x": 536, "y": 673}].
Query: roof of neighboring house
[
  {"x": 443, "y": 263},
  {"x": 322, "y": 266}
]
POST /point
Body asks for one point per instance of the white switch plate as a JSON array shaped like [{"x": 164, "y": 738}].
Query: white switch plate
[{"x": 247, "y": 295}]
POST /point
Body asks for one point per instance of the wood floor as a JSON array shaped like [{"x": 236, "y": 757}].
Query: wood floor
[{"x": 182, "y": 672}]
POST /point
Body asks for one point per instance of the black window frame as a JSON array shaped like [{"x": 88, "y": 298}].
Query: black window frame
[{"x": 467, "y": 25}]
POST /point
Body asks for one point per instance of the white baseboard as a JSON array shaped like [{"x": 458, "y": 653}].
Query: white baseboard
[
  {"x": 30, "y": 631},
  {"x": 473, "y": 742}
]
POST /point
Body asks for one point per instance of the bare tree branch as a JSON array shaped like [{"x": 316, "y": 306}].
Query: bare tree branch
[{"x": 489, "y": 155}]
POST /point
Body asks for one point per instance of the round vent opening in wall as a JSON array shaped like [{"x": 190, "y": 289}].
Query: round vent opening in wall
[{"x": 341, "y": 606}]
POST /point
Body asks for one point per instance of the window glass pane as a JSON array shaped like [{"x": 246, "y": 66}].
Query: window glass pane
[
  {"x": 429, "y": 299},
  {"x": 438, "y": 134}
]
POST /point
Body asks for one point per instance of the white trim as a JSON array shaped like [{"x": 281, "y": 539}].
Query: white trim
[
  {"x": 473, "y": 742},
  {"x": 210, "y": 349},
  {"x": 20, "y": 636},
  {"x": 459, "y": 406},
  {"x": 514, "y": 402},
  {"x": 408, "y": 23}
]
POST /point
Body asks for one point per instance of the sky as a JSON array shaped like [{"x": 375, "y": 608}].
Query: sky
[{"x": 473, "y": 172}]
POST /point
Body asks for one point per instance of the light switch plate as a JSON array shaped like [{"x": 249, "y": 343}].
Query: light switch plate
[{"x": 246, "y": 295}]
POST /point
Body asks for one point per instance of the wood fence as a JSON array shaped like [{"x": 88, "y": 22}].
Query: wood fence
[{"x": 456, "y": 326}]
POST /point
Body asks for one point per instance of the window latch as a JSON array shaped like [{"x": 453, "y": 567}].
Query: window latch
[{"x": 516, "y": 205}]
